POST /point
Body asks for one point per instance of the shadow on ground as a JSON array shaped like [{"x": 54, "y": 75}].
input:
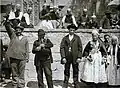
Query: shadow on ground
[{"x": 57, "y": 84}]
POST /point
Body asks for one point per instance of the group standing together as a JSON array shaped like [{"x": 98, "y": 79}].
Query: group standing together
[{"x": 101, "y": 58}]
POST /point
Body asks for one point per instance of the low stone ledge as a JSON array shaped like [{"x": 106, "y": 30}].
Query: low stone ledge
[{"x": 2, "y": 29}]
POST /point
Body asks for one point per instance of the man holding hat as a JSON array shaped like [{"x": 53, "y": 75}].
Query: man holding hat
[
  {"x": 71, "y": 53},
  {"x": 18, "y": 52},
  {"x": 43, "y": 59}
]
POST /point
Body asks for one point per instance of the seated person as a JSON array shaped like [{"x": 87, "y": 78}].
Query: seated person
[
  {"x": 93, "y": 22},
  {"x": 83, "y": 19},
  {"x": 68, "y": 19},
  {"x": 25, "y": 21}
]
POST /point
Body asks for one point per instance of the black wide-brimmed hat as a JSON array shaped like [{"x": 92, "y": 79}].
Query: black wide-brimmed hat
[
  {"x": 21, "y": 27},
  {"x": 71, "y": 26}
]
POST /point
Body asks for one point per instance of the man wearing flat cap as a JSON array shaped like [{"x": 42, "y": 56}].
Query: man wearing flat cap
[
  {"x": 106, "y": 21},
  {"x": 18, "y": 52},
  {"x": 71, "y": 53},
  {"x": 43, "y": 59}
]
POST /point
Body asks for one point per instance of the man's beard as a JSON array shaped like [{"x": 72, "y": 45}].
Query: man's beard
[{"x": 18, "y": 34}]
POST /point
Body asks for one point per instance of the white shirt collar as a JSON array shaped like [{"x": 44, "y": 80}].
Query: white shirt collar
[
  {"x": 20, "y": 37},
  {"x": 71, "y": 37}
]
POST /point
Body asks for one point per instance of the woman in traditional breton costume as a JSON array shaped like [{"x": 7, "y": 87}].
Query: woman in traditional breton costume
[
  {"x": 114, "y": 65},
  {"x": 95, "y": 58}
]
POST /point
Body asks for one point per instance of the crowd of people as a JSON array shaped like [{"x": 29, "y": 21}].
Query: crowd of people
[
  {"x": 101, "y": 57},
  {"x": 17, "y": 17},
  {"x": 84, "y": 20},
  {"x": 53, "y": 18}
]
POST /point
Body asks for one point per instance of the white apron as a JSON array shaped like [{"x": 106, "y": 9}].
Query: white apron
[{"x": 94, "y": 71}]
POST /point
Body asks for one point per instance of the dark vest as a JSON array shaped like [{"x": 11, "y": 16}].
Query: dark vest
[{"x": 68, "y": 19}]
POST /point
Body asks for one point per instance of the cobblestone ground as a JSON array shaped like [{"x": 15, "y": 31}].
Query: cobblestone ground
[
  {"x": 33, "y": 84},
  {"x": 57, "y": 84}
]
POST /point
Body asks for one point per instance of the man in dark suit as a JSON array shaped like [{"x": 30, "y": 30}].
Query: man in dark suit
[
  {"x": 71, "y": 53},
  {"x": 18, "y": 52},
  {"x": 107, "y": 41},
  {"x": 43, "y": 59}
]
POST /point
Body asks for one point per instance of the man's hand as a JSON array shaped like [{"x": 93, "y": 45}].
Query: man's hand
[
  {"x": 118, "y": 66},
  {"x": 100, "y": 28},
  {"x": 38, "y": 48},
  {"x": 104, "y": 60},
  {"x": 78, "y": 60},
  {"x": 83, "y": 23},
  {"x": 90, "y": 59},
  {"x": 64, "y": 60},
  {"x": 42, "y": 45}
]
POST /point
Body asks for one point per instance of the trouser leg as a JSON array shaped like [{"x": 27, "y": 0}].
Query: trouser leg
[
  {"x": 21, "y": 69},
  {"x": 39, "y": 71},
  {"x": 48, "y": 73},
  {"x": 91, "y": 85},
  {"x": 7, "y": 73},
  {"x": 0, "y": 72},
  {"x": 14, "y": 68},
  {"x": 66, "y": 75},
  {"x": 65, "y": 83},
  {"x": 75, "y": 74}
]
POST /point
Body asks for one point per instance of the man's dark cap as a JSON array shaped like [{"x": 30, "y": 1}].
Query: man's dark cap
[
  {"x": 41, "y": 32},
  {"x": 71, "y": 26},
  {"x": 21, "y": 27}
]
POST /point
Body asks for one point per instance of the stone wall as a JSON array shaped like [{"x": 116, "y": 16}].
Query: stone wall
[{"x": 55, "y": 36}]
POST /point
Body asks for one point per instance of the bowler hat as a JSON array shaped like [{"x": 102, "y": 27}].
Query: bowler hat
[
  {"x": 41, "y": 32},
  {"x": 71, "y": 26}
]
